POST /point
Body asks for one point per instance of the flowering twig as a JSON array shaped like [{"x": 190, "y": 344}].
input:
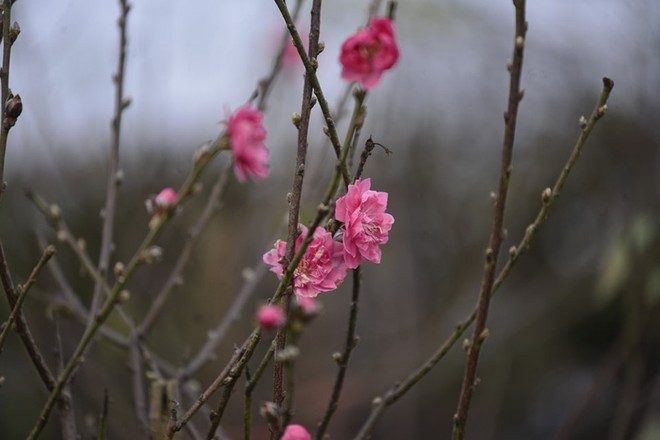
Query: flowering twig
[
  {"x": 497, "y": 235},
  {"x": 23, "y": 290},
  {"x": 380, "y": 404},
  {"x": 114, "y": 174},
  {"x": 235, "y": 366},
  {"x": 343, "y": 358},
  {"x": 296, "y": 191}
]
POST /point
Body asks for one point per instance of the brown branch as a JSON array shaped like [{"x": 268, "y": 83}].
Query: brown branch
[
  {"x": 67, "y": 413},
  {"x": 497, "y": 236},
  {"x": 114, "y": 174},
  {"x": 22, "y": 327},
  {"x": 139, "y": 393},
  {"x": 23, "y": 291},
  {"x": 394, "y": 393},
  {"x": 343, "y": 358},
  {"x": 296, "y": 191},
  {"x": 10, "y": 106},
  {"x": 103, "y": 416}
]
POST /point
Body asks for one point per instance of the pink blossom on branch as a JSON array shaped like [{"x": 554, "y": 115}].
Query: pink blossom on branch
[
  {"x": 321, "y": 269},
  {"x": 166, "y": 198},
  {"x": 366, "y": 223},
  {"x": 246, "y": 141},
  {"x": 296, "y": 432},
  {"x": 270, "y": 317},
  {"x": 368, "y": 53}
]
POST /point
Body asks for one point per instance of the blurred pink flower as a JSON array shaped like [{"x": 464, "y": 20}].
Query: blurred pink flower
[
  {"x": 368, "y": 53},
  {"x": 321, "y": 269},
  {"x": 367, "y": 225},
  {"x": 246, "y": 140},
  {"x": 270, "y": 317},
  {"x": 165, "y": 199},
  {"x": 296, "y": 432}
]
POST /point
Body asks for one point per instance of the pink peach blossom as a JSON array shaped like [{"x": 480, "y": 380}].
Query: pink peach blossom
[
  {"x": 246, "y": 140},
  {"x": 321, "y": 269},
  {"x": 368, "y": 53},
  {"x": 270, "y": 317},
  {"x": 296, "y": 432},
  {"x": 366, "y": 223},
  {"x": 165, "y": 199}
]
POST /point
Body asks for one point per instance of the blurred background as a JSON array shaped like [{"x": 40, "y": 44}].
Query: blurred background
[{"x": 574, "y": 350}]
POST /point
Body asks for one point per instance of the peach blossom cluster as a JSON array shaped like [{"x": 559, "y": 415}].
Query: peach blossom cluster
[{"x": 326, "y": 260}]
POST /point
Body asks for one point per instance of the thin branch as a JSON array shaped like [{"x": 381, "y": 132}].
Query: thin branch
[
  {"x": 249, "y": 388},
  {"x": 114, "y": 174},
  {"x": 344, "y": 357},
  {"x": 65, "y": 406},
  {"x": 139, "y": 394},
  {"x": 10, "y": 106},
  {"x": 497, "y": 235},
  {"x": 103, "y": 416},
  {"x": 23, "y": 291},
  {"x": 380, "y": 404},
  {"x": 22, "y": 327}
]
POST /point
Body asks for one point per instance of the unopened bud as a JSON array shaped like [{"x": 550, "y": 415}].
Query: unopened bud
[
  {"x": 152, "y": 254},
  {"x": 321, "y": 46},
  {"x": 270, "y": 411},
  {"x": 14, "y": 31},
  {"x": 546, "y": 195},
  {"x": 119, "y": 269},
  {"x": 13, "y": 109},
  {"x": 583, "y": 122},
  {"x": 296, "y": 118},
  {"x": 55, "y": 212},
  {"x": 124, "y": 296},
  {"x": 287, "y": 354},
  {"x": 513, "y": 251}
]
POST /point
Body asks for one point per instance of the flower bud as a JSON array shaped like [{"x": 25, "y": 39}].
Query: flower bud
[{"x": 270, "y": 317}]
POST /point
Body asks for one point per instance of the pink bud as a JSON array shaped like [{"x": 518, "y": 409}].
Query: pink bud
[
  {"x": 296, "y": 432},
  {"x": 270, "y": 317},
  {"x": 166, "y": 198}
]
